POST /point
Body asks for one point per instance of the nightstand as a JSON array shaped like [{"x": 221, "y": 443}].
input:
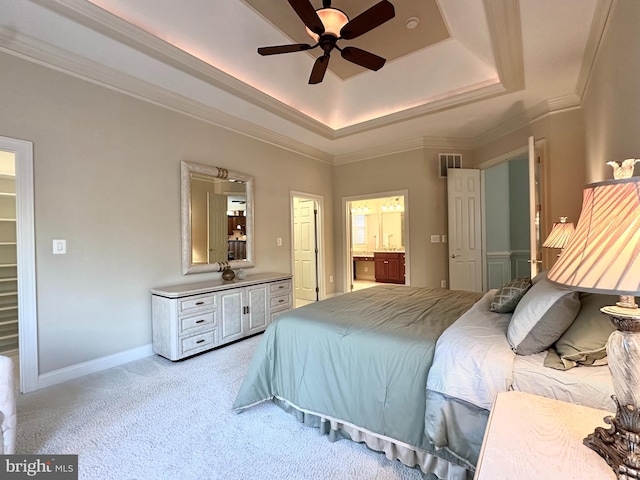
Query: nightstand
[{"x": 532, "y": 437}]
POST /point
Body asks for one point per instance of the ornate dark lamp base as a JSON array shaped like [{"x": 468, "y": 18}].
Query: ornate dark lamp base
[{"x": 618, "y": 445}]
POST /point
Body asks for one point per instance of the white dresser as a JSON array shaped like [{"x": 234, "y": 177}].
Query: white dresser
[{"x": 194, "y": 317}]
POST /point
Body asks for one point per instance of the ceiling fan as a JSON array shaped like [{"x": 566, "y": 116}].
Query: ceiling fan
[{"x": 327, "y": 25}]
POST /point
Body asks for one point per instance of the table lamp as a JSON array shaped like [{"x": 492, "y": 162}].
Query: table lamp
[
  {"x": 603, "y": 256},
  {"x": 559, "y": 235}
]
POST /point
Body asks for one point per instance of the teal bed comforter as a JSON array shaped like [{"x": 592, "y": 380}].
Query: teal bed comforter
[{"x": 361, "y": 358}]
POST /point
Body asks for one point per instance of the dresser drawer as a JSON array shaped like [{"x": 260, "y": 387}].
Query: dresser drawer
[
  {"x": 198, "y": 343},
  {"x": 280, "y": 302},
  {"x": 200, "y": 302},
  {"x": 280, "y": 287},
  {"x": 197, "y": 322}
]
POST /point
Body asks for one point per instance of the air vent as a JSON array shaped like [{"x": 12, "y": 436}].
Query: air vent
[{"x": 449, "y": 160}]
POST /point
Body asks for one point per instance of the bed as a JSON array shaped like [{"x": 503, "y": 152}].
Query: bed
[{"x": 411, "y": 372}]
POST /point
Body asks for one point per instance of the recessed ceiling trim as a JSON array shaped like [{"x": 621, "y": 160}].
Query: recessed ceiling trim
[
  {"x": 100, "y": 20},
  {"x": 480, "y": 91},
  {"x": 505, "y": 30},
  {"x": 36, "y": 51},
  {"x": 503, "y": 20},
  {"x": 598, "y": 28}
]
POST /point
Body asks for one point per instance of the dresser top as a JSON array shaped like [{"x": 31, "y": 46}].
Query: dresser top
[{"x": 186, "y": 289}]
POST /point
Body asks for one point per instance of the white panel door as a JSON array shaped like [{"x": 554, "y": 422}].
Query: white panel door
[
  {"x": 465, "y": 230},
  {"x": 304, "y": 239}
]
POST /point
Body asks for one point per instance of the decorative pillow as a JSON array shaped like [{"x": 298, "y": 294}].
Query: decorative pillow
[
  {"x": 585, "y": 341},
  {"x": 508, "y": 296},
  {"x": 543, "y": 314}
]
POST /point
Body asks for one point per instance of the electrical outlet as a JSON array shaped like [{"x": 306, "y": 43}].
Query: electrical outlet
[
  {"x": 279, "y": 241},
  {"x": 330, "y": 278},
  {"x": 443, "y": 284},
  {"x": 444, "y": 239}
]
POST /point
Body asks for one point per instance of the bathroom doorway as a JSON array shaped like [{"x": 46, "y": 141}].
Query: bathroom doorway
[{"x": 376, "y": 240}]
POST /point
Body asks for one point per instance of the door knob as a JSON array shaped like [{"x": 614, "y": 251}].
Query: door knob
[{"x": 453, "y": 255}]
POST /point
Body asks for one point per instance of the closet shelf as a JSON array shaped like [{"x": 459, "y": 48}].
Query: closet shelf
[
  {"x": 6, "y": 309},
  {"x": 8, "y": 337},
  {"x": 10, "y": 279},
  {"x": 13, "y": 321}
]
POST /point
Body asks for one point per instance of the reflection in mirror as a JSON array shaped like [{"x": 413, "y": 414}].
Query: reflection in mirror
[{"x": 217, "y": 218}]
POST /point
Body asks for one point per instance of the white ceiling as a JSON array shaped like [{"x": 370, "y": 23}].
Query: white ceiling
[{"x": 507, "y": 61}]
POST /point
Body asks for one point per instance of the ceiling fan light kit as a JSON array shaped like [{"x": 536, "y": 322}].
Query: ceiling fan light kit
[
  {"x": 327, "y": 25},
  {"x": 333, "y": 21}
]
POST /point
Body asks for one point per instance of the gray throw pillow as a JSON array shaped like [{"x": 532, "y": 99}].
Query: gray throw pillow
[
  {"x": 541, "y": 317},
  {"x": 585, "y": 341},
  {"x": 508, "y": 296}
]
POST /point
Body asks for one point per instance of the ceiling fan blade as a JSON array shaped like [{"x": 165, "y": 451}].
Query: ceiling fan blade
[
  {"x": 319, "y": 69},
  {"x": 296, "y": 47},
  {"x": 362, "y": 58},
  {"x": 368, "y": 20},
  {"x": 308, "y": 15}
]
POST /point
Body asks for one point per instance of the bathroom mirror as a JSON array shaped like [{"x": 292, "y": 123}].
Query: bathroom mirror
[{"x": 217, "y": 218}]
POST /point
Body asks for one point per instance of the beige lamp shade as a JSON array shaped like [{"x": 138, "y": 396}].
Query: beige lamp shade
[
  {"x": 603, "y": 255},
  {"x": 560, "y": 234}
]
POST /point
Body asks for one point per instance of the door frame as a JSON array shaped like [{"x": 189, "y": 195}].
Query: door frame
[
  {"x": 346, "y": 234},
  {"x": 319, "y": 199},
  {"x": 540, "y": 148},
  {"x": 25, "y": 235}
]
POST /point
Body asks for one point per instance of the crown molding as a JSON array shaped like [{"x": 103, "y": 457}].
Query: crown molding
[
  {"x": 36, "y": 51},
  {"x": 599, "y": 27},
  {"x": 474, "y": 93},
  {"x": 503, "y": 19},
  {"x": 407, "y": 146},
  {"x": 95, "y": 18},
  {"x": 547, "y": 107}
]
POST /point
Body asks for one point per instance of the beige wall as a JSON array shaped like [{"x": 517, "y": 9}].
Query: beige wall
[
  {"x": 417, "y": 172},
  {"x": 612, "y": 99},
  {"x": 107, "y": 179}
]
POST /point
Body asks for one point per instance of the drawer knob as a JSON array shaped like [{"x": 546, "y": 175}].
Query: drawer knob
[
  {"x": 200, "y": 341},
  {"x": 199, "y": 303},
  {"x": 280, "y": 301},
  {"x": 281, "y": 286},
  {"x": 200, "y": 321}
]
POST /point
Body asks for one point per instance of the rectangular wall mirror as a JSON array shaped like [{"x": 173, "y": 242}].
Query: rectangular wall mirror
[{"x": 217, "y": 218}]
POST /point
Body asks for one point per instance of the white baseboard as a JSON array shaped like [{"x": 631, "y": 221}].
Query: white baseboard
[{"x": 93, "y": 366}]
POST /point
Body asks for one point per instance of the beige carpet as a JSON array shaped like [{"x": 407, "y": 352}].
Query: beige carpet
[{"x": 154, "y": 419}]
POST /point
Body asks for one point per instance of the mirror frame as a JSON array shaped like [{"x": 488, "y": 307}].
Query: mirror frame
[{"x": 186, "y": 169}]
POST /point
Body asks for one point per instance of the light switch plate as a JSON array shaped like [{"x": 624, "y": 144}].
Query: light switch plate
[
  {"x": 435, "y": 238},
  {"x": 59, "y": 247}
]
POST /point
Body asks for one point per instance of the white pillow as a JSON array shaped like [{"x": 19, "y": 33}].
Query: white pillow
[{"x": 541, "y": 317}]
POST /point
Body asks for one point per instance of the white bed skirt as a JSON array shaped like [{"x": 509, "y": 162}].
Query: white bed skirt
[{"x": 430, "y": 465}]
